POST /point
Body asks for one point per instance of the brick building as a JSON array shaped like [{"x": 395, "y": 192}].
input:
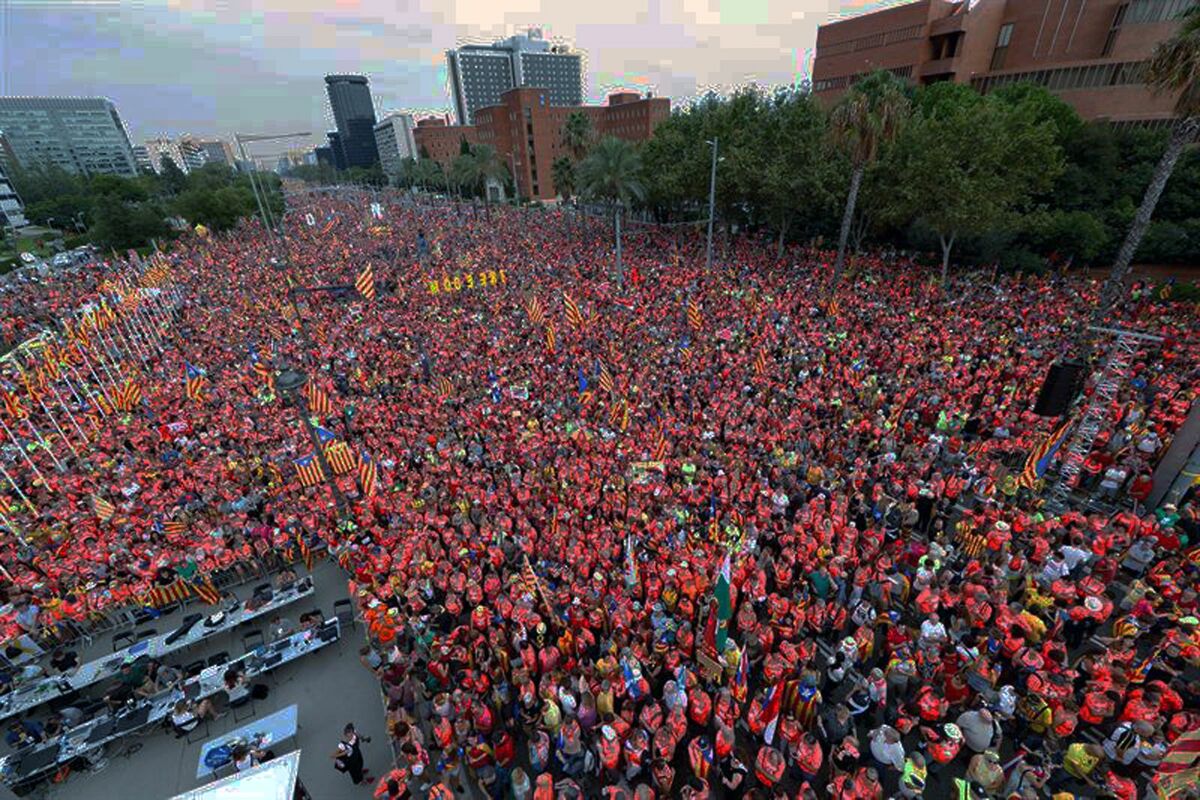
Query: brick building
[
  {"x": 1091, "y": 54},
  {"x": 526, "y": 131}
]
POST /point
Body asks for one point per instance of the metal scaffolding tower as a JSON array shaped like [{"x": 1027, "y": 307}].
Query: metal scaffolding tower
[{"x": 1115, "y": 373}]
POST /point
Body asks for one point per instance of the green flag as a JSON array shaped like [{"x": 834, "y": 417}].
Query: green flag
[{"x": 724, "y": 607}]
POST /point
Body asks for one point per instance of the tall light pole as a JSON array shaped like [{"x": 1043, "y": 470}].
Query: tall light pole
[
  {"x": 260, "y": 195},
  {"x": 712, "y": 196}
]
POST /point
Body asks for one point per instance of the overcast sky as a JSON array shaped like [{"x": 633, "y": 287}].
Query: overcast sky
[{"x": 215, "y": 66}]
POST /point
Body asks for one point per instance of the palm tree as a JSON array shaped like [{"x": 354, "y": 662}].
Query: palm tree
[
  {"x": 563, "y": 172},
  {"x": 610, "y": 172},
  {"x": 475, "y": 170},
  {"x": 578, "y": 135},
  {"x": 426, "y": 173},
  {"x": 1174, "y": 67},
  {"x": 868, "y": 117}
]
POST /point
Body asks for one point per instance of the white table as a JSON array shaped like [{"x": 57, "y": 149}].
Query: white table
[
  {"x": 274, "y": 780},
  {"x": 259, "y": 734},
  {"x": 44, "y": 690},
  {"x": 79, "y": 740}
]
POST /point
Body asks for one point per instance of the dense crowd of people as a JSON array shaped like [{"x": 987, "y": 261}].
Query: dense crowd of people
[{"x": 574, "y": 475}]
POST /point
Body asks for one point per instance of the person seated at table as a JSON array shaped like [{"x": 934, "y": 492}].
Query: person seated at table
[
  {"x": 285, "y": 576},
  {"x": 64, "y": 660},
  {"x": 54, "y": 726},
  {"x": 186, "y": 716},
  {"x": 239, "y": 688},
  {"x": 280, "y": 628},
  {"x": 246, "y": 757},
  {"x": 130, "y": 678},
  {"x": 23, "y": 732},
  {"x": 158, "y": 677},
  {"x": 311, "y": 621}
]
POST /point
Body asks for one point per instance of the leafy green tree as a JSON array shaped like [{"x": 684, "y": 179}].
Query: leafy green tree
[
  {"x": 173, "y": 178},
  {"x": 867, "y": 118},
  {"x": 964, "y": 162},
  {"x": 1174, "y": 67},
  {"x": 611, "y": 172}
]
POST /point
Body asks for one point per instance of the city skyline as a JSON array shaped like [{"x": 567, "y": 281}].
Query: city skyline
[{"x": 193, "y": 66}]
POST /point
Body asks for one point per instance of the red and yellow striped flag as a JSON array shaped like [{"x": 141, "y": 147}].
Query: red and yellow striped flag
[
  {"x": 365, "y": 283},
  {"x": 574, "y": 315}
]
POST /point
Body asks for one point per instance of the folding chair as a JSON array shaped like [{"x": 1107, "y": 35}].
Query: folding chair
[
  {"x": 244, "y": 710},
  {"x": 122, "y": 640},
  {"x": 218, "y": 658},
  {"x": 147, "y": 633},
  {"x": 198, "y": 733},
  {"x": 193, "y": 669}
]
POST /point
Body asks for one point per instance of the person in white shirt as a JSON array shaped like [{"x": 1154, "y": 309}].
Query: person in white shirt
[
  {"x": 886, "y": 747},
  {"x": 1074, "y": 556},
  {"x": 933, "y": 633}
]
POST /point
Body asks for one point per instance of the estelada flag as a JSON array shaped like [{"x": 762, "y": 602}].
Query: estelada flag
[
  {"x": 365, "y": 283},
  {"x": 368, "y": 476},
  {"x": 574, "y": 315}
]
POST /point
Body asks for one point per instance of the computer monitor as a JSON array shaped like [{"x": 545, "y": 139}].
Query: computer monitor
[
  {"x": 37, "y": 760},
  {"x": 191, "y": 690},
  {"x": 101, "y": 731},
  {"x": 329, "y": 633},
  {"x": 136, "y": 719}
]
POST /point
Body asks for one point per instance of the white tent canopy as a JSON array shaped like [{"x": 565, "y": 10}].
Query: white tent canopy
[{"x": 274, "y": 780}]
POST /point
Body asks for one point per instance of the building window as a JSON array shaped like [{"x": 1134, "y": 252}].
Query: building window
[
  {"x": 1114, "y": 29},
  {"x": 1001, "y": 50}
]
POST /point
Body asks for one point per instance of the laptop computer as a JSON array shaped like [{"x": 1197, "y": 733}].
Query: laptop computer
[
  {"x": 37, "y": 761},
  {"x": 328, "y": 633},
  {"x": 191, "y": 690},
  {"x": 136, "y": 719},
  {"x": 101, "y": 731}
]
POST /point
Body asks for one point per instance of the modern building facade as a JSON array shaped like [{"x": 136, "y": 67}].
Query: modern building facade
[
  {"x": 217, "y": 151},
  {"x": 480, "y": 74},
  {"x": 80, "y": 134},
  {"x": 395, "y": 143},
  {"x": 12, "y": 210},
  {"x": 526, "y": 131},
  {"x": 141, "y": 155},
  {"x": 1091, "y": 54},
  {"x": 354, "y": 117},
  {"x": 162, "y": 148}
]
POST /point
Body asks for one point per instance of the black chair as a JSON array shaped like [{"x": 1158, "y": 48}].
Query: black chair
[
  {"x": 198, "y": 733},
  {"x": 252, "y": 641},
  {"x": 147, "y": 633},
  {"x": 344, "y": 611},
  {"x": 193, "y": 669},
  {"x": 122, "y": 640},
  {"x": 243, "y": 709},
  {"x": 218, "y": 658}
]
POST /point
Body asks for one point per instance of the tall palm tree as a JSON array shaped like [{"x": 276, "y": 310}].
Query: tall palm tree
[
  {"x": 482, "y": 165},
  {"x": 868, "y": 117},
  {"x": 610, "y": 173},
  {"x": 578, "y": 135},
  {"x": 563, "y": 172},
  {"x": 1174, "y": 67}
]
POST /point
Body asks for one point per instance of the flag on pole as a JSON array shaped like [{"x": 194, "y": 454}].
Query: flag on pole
[
  {"x": 771, "y": 711},
  {"x": 368, "y": 476},
  {"x": 193, "y": 381},
  {"x": 12, "y": 405},
  {"x": 606, "y": 378},
  {"x": 341, "y": 460},
  {"x": 308, "y": 470},
  {"x": 365, "y": 283},
  {"x": 537, "y": 314},
  {"x": 724, "y": 608},
  {"x": 260, "y": 367},
  {"x": 318, "y": 400},
  {"x": 760, "y": 362},
  {"x": 1041, "y": 457},
  {"x": 631, "y": 569},
  {"x": 305, "y": 551},
  {"x": 206, "y": 590},
  {"x": 549, "y": 337},
  {"x": 685, "y": 349},
  {"x": 693, "y": 315},
  {"x": 741, "y": 683},
  {"x": 661, "y": 446},
  {"x": 104, "y": 509},
  {"x": 128, "y": 396},
  {"x": 574, "y": 315}
]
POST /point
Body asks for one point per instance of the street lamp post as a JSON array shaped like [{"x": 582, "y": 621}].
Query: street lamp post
[
  {"x": 288, "y": 382},
  {"x": 712, "y": 196}
]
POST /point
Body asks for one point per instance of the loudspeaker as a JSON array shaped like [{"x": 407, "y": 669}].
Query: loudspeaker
[{"x": 1062, "y": 384}]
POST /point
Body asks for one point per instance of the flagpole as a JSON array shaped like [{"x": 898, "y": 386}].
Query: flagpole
[
  {"x": 25, "y": 452},
  {"x": 103, "y": 365},
  {"x": 20, "y": 494},
  {"x": 46, "y": 409},
  {"x": 82, "y": 436},
  {"x": 85, "y": 403}
]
